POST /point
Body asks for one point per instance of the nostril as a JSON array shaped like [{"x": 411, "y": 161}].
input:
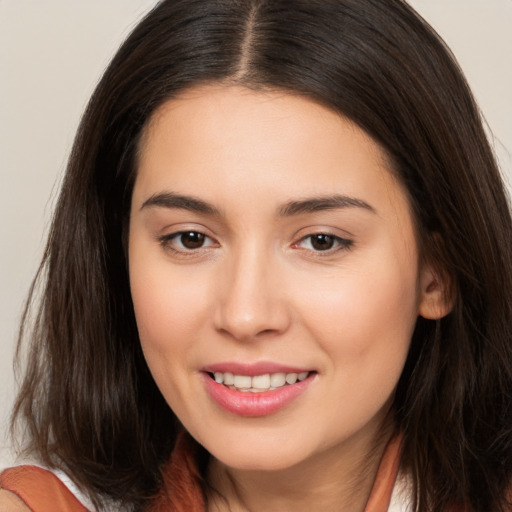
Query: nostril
[{"x": 265, "y": 331}]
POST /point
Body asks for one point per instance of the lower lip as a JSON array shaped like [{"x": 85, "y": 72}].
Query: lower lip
[{"x": 246, "y": 403}]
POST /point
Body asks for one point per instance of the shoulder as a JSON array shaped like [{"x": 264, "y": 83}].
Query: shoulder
[{"x": 31, "y": 488}]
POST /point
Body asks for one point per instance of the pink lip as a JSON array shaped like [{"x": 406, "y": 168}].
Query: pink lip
[
  {"x": 253, "y": 369},
  {"x": 248, "y": 404}
]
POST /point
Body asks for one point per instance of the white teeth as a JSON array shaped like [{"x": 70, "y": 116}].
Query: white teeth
[
  {"x": 291, "y": 378},
  {"x": 261, "y": 381},
  {"x": 242, "y": 381},
  {"x": 258, "y": 383},
  {"x": 277, "y": 380}
]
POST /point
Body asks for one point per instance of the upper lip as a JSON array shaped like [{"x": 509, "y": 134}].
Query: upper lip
[{"x": 252, "y": 369}]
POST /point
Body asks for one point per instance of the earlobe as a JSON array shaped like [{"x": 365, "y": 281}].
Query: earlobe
[{"x": 436, "y": 294}]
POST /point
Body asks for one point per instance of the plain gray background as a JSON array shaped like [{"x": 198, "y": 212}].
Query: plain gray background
[{"x": 52, "y": 52}]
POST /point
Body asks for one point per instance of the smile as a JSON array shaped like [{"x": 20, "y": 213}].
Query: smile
[
  {"x": 258, "y": 383},
  {"x": 255, "y": 390}
]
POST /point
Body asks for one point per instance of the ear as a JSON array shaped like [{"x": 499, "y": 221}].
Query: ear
[{"x": 436, "y": 293}]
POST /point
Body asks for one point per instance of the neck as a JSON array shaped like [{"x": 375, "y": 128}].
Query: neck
[{"x": 339, "y": 478}]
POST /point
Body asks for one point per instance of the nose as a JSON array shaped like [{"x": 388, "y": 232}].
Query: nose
[{"x": 251, "y": 301}]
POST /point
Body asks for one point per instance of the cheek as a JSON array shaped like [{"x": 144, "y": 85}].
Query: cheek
[
  {"x": 365, "y": 319},
  {"x": 169, "y": 307},
  {"x": 161, "y": 311},
  {"x": 364, "y": 326},
  {"x": 169, "y": 313}
]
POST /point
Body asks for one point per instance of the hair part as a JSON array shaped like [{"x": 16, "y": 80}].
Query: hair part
[{"x": 88, "y": 400}]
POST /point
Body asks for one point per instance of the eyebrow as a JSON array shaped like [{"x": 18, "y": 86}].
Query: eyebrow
[
  {"x": 172, "y": 200},
  {"x": 316, "y": 204},
  {"x": 296, "y": 207}
]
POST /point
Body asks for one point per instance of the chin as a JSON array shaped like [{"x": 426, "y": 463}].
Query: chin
[
  {"x": 266, "y": 460},
  {"x": 259, "y": 452}
]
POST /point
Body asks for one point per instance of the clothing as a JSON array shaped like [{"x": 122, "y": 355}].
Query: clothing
[{"x": 42, "y": 491}]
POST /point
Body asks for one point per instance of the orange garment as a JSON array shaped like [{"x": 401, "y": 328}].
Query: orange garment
[{"x": 42, "y": 491}]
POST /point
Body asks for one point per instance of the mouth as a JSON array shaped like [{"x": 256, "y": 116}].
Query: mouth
[
  {"x": 258, "y": 383},
  {"x": 256, "y": 390}
]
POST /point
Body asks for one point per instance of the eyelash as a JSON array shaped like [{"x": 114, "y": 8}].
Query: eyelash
[
  {"x": 168, "y": 242},
  {"x": 338, "y": 243}
]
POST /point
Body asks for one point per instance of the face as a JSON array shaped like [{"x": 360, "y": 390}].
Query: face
[{"x": 275, "y": 274}]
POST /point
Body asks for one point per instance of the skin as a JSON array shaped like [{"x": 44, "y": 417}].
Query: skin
[
  {"x": 259, "y": 289},
  {"x": 9, "y": 502}
]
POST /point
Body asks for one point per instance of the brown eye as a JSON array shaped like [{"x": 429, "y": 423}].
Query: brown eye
[
  {"x": 192, "y": 239},
  {"x": 186, "y": 242},
  {"x": 322, "y": 242}
]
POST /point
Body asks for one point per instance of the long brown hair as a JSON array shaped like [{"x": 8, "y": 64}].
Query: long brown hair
[{"x": 88, "y": 401}]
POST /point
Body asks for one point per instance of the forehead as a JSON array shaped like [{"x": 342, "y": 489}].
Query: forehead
[{"x": 216, "y": 139}]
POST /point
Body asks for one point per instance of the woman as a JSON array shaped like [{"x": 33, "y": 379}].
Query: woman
[{"x": 278, "y": 273}]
